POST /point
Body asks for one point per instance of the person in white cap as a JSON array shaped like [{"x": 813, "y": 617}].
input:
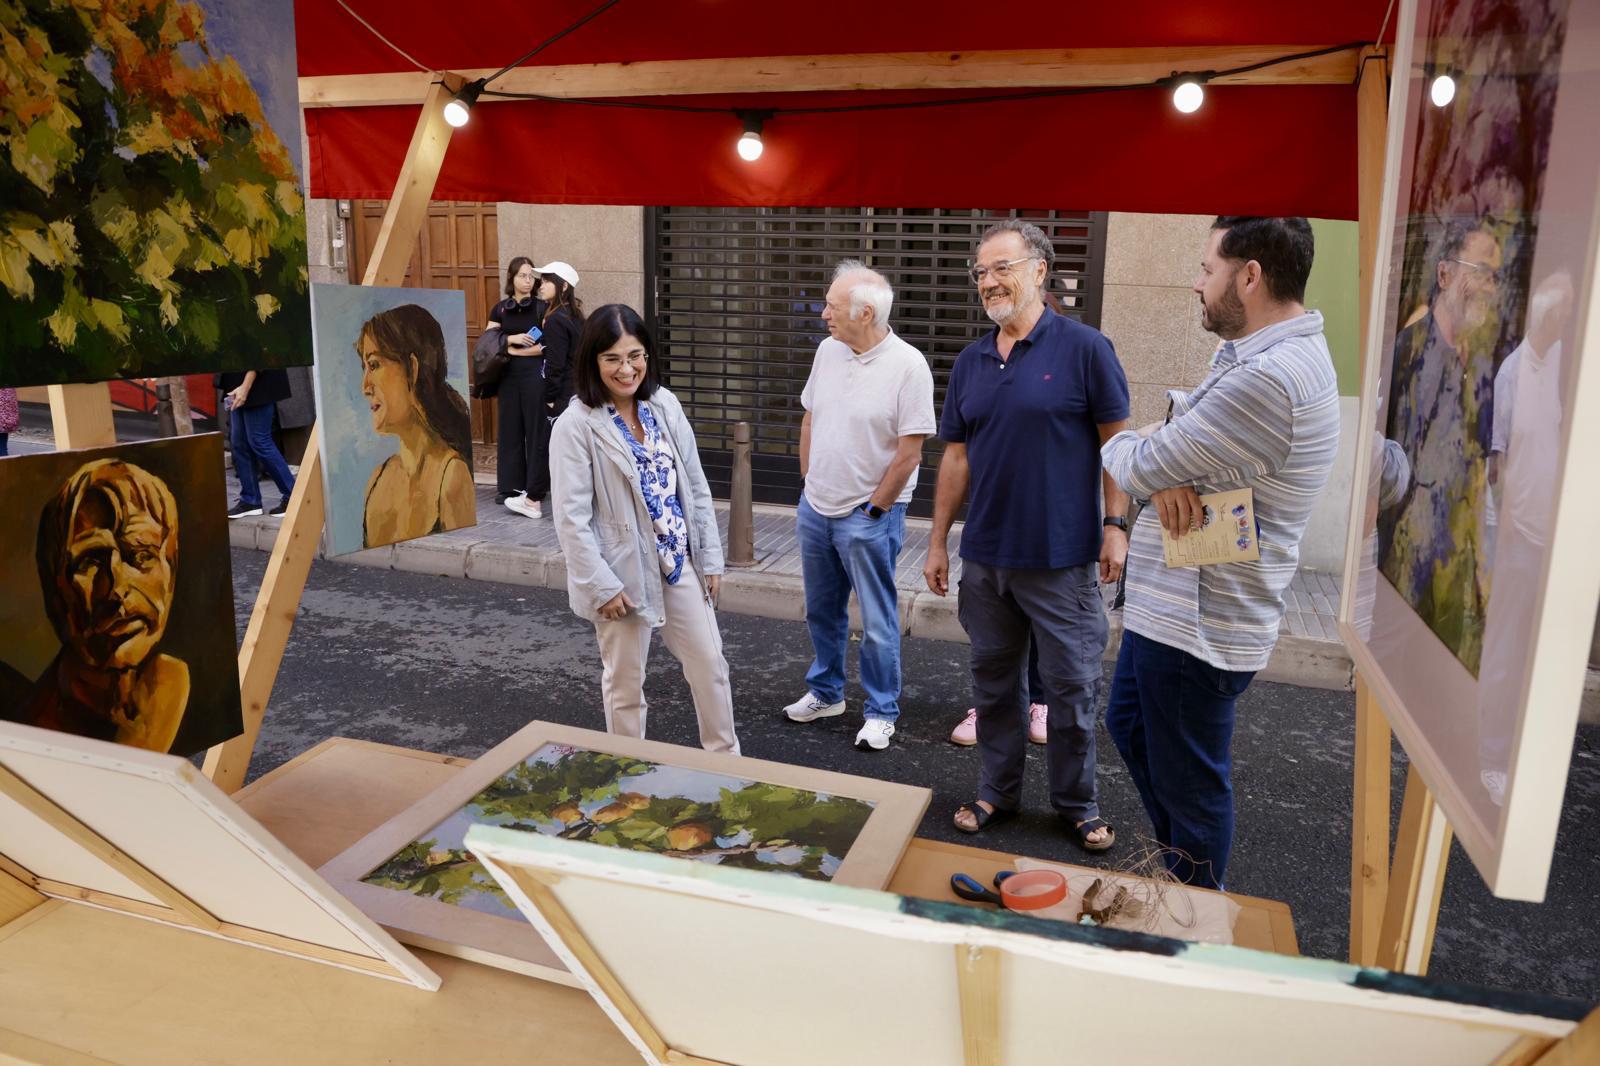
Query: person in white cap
[{"x": 557, "y": 293}]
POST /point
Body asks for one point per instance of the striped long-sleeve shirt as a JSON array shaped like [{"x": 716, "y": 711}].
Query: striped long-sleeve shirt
[{"x": 1266, "y": 418}]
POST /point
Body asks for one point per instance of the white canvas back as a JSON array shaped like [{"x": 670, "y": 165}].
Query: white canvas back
[
  {"x": 736, "y": 966},
  {"x": 164, "y": 815}
]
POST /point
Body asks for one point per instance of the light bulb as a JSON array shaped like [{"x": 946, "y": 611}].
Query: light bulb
[
  {"x": 1188, "y": 97},
  {"x": 750, "y": 146},
  {"x": 1442, "y": 91},
  {"x": 456, "y": 113}
]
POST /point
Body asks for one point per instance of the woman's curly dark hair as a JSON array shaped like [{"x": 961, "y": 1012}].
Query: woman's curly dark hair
[{"x": 410, "y": 330}]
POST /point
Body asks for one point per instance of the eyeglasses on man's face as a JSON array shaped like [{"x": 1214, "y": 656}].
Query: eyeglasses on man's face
[
  {"x": 1003, "y": 269},
  {"x": 1484, "y": 270},
  {"x": 612, "y": 360}
]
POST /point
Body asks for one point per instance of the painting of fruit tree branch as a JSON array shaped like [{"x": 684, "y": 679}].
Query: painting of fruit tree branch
[
  {"x": 151, "y": 216},
  {"x": 629, "y": 803}
]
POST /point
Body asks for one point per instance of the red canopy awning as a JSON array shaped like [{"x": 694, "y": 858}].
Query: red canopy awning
[{"x": 1257, "y": 149}]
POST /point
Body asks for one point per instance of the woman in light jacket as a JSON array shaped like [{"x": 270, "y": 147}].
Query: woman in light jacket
[{"x": 633, "y": 513}]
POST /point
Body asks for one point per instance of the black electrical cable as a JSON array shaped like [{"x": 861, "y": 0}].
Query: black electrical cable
[
  {"x": 596, "y": 13},
  {"x": 903, "y": 105}
]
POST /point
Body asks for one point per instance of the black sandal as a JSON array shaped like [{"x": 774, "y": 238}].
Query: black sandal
[
  {"x": 1081, "y": 831},
  {"x": 981, "y": 817}
]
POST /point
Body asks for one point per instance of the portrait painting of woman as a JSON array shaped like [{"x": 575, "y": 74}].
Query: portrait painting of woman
[
  {"x": 426, "y": 486},
  {"x": 392, "y": 414}
]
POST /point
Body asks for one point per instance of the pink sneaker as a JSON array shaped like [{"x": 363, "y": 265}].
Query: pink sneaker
[
  {"x": 966, "y": 734},
  {"x": 1038, "y": 723}
]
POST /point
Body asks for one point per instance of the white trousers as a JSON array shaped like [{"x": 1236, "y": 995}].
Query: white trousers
[{"x": 691, "y": 634}]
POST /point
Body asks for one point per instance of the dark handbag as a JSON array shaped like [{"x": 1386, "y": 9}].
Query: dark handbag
[{"x": 489, "y": 361}]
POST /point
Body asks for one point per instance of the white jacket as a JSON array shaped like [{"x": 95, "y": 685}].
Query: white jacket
[{"x": 601, "y": 521}]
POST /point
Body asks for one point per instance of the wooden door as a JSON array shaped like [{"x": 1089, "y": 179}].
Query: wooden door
[{"x": 458, "y": 248}]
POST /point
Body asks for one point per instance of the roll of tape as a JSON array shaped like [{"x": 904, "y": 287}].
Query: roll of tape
[{"x": 1033, "y": 890}]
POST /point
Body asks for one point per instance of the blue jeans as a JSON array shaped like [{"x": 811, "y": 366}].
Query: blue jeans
[
  {"x": 837, "y": 555},
  {"x": 1171, "y": 717},
  {"x": 250, "y": 430}
]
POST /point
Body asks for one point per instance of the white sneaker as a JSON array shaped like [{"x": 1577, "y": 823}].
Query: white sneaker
[
  {"x": 524, "y": 506},
  {"x": 875, "y": 734},
  {"x": 809, "y": 708}
]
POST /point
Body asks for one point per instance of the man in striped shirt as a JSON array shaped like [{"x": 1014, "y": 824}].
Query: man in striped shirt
[{"x": 1266, "y": 418}]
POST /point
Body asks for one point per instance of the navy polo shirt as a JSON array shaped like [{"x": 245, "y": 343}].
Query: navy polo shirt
[{"x": 1030, "y": 424}]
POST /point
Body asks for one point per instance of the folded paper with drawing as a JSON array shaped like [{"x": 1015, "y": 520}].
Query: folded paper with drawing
[{"x": 1227, "y": 533}]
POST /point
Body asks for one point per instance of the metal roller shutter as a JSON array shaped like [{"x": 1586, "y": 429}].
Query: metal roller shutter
[{"x": 735, "y": 295}]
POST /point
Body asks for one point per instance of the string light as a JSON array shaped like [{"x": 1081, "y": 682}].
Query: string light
[
  {"x": 1187, "y": 96},
  {"x": 749, "y": 145},
  {"x": 1442, "y": 91},
  {"x": 459, "y": 109}
]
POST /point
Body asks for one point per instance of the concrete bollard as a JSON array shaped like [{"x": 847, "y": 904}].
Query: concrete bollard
[{"x": 741, "y": 502}]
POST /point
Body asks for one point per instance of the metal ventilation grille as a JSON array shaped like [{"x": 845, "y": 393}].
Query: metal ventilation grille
[{"x": 735, "y": 295}]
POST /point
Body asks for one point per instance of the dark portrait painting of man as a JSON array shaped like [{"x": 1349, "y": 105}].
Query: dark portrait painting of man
[{"x": 127, "y": 562}]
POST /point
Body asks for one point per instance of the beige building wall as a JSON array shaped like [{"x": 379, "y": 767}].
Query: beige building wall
[
  {"x": 1149, "y": 310},
  {"x": 605, "y": 244}
]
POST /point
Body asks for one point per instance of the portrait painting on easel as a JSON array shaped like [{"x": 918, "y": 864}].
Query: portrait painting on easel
[
  {"x": 391, "y": 382},
  {"x": 152, "y": 221},
  {"x": 1472, "y": 418},
  {"x": 119, "y": 624}
]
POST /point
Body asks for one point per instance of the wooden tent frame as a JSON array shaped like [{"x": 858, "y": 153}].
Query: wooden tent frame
[{"x": 1394, "y": 905}]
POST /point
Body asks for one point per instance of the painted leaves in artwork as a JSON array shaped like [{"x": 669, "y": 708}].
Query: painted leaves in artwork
[
  {"x": 625, "y": 802},
  {"x": 151, "y": 220}
]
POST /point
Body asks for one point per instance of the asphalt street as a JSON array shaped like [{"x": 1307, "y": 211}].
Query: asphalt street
[{"x": 455, "y": 666}]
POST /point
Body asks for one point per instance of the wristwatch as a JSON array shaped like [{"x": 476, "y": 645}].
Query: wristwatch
[
  {"x": 1116, "y": 520},
  {"x": 874, "y": 512}
]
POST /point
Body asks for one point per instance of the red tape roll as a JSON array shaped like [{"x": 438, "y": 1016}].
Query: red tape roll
[{"x": 1033, "y": 890}]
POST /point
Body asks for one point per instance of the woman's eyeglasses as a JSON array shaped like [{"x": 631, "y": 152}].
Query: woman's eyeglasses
[{"x": 612, "y": 362}]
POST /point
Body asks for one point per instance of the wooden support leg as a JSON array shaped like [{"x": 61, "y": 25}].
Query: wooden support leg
[
  {"x": 978, "y": 979},
  {"x": 1416, "y": 881},
  {"x": 1369, "y": 828},
  {"x": 81, "y": 415},
  {"x": 277, "y": 602}
]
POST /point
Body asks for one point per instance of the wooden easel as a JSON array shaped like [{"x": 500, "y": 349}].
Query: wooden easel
[{"x": 81, "y": 417}]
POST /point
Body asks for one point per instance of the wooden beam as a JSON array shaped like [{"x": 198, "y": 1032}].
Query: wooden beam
[
  {"x": 17, "y": 897},
  {"x": 277, "y": 602},
  {"x": 1581, "y": 1047},
  {"x": 81, "y": 415},
  {"x": 48, "y": 811},
  {"x": 1372, "y": 134},
  {"x": 1012, "y": 69},
  {"x": 1416, "y": 880},
  {"x": 1369, "y": 828},
  {"x": 978, "y": 986}
]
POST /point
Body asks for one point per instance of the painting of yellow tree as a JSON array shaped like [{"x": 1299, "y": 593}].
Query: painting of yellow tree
[
  {"x": 626, "y": 802},
  {"x": 151, "y": 215}
]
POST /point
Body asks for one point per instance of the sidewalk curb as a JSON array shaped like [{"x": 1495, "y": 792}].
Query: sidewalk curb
[{"x": 1296, "y": 660}]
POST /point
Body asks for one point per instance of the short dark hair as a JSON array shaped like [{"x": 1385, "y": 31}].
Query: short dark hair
[
  {"x": 603, "y": 328},
  {"x": 1283, "y": 246},
  {"x": 517, "y": 264}
]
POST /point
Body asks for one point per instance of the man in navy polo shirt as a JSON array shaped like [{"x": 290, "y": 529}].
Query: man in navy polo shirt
[{"x": 1025, "y": 413}]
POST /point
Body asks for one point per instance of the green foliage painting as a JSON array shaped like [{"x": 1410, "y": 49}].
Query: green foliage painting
[
  {"x": 629, "y": 803},
  {"x": 151, "y": 219}
]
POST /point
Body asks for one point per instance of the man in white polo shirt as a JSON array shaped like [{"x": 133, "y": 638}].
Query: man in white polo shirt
[{"x": 869, "y": 404}]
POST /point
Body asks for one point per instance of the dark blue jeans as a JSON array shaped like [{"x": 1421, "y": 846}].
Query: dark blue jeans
[
  {"x": 1171, "y": 717},
  {"x": 250, "y": 429}
]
